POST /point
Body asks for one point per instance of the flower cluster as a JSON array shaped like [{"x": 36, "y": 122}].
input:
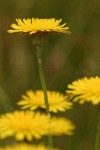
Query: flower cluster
[{"x": 29, "y": 124}]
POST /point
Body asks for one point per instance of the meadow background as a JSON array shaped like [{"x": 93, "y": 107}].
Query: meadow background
[{"x": 65, "y": 59}]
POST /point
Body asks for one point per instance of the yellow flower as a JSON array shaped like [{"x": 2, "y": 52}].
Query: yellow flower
[
  {"x": 24, "y": 125},
  {"x": 24, "y": 146},
  {"x": 35, "y": 25},
  {"x": 85, "y": 90},
  {"x": 33, "y": 100},
  {"x": 61, "y": 126}
]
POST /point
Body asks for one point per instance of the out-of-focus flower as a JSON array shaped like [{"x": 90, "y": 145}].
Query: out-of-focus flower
[
  {"x": 85, "y": 90},
  {"x": 61, "y": 126},
  {"x": 33, "y": 100},
  {"x": 24, "y": 125},
  {"x": 24, "y": 146}
]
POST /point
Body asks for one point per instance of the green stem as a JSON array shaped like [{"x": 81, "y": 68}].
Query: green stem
[
  {"x": 39, "y": 57},
  {"x": 97, "y": 143}
]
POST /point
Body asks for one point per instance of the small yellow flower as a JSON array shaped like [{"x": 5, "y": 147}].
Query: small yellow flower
[
  {"x": 24, "y": 146},
  {"x": 61, "y": 126},
  {"x": 85, "y": 90},
  {"x": 35, "y": 25},
  {"x": 33, "y": 100},
  {"x": 24, "y": 125}
]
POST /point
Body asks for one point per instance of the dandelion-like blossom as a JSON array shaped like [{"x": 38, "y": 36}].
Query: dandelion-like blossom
[
  {"x": 24, "y": 146},
  {"x": 34, "y": 25},
  {"x": 85, "y": 90},
  {"x": 24, "y": 125},
  {"x": 61, "y": 126},
  {"x": 33, "y": 100}
]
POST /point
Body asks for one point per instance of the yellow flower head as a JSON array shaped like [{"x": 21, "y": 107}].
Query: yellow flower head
[
  {"x": 61, "y": 126},
  {"x": 35, "y": 25},
  {"x": 85, "y": 90},
  {"x": 24, "y": 124},
  {"x": 24, "y": 146},
  {"x": 33, "y": 100}
]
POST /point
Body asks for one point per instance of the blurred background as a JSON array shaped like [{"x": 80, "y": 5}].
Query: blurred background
[{"x": 65, "y": 59}]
